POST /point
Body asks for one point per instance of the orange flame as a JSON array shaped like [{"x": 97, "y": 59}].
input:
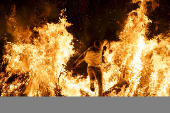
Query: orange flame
[
  {"x": 44, "y": 59},
  {"x": 137, "y": 58}
]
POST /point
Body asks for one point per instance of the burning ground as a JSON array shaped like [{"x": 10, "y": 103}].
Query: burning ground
[{"x": 37, "y": 61}]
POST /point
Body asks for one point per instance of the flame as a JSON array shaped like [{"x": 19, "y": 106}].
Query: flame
[
  {"x": 137, "y": 59},
  {"x": 137, "y": 66},
  {"x": 44, "y": 59}
]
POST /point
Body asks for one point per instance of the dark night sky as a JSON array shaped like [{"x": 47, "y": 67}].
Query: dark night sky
[{"x": 91, "y": 19}]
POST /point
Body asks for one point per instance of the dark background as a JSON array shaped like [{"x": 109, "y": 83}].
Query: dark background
[{"x": 91, "y": 19}]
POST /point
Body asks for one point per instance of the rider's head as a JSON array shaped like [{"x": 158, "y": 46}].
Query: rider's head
[{"x": 97, "y": 44}]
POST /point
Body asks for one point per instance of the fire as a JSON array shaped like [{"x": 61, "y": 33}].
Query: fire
[
  {"x": 44, "y": 59},
  {"x": 136, "y": 67},
  {"x": 142, "y": 62}
]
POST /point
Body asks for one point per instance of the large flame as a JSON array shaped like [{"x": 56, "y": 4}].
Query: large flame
[
  {"x": 141, "y": 63},
  {"x": 44, "y": 59}
]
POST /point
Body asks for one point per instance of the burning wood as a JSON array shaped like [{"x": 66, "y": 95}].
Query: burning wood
[{"x": 117, "y": 88}]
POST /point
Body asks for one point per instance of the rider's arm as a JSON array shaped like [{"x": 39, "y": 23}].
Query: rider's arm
[
  {"x": 79, "y": 60},
  {"x": 107, "y": 44}
]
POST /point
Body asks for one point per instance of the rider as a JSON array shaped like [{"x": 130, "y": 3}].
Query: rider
[{"x": 93, "y": 57}]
